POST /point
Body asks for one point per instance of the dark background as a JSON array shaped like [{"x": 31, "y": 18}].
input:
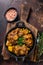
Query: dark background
[{"x": 4, "y": 5}]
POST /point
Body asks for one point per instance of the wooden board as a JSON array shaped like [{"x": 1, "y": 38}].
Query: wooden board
[{"x": 33, "y": 57}]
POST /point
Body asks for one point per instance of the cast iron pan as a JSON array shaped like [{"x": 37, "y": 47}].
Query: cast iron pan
[{"x": 20, "y": 24}]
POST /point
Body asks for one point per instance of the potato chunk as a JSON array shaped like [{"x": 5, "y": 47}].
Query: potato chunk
[
  {"x": 25, "y": 31},
  {"x": 10, "y": 48},
  {"x": 15, "y": 37},
  {"x": 8, "y": 43}
]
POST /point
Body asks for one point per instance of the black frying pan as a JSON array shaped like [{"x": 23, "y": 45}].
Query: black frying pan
[{"x": 20, "y": 24}]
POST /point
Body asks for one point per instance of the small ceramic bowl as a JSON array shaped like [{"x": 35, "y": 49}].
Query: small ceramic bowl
[{"x": 11, "y": 15}]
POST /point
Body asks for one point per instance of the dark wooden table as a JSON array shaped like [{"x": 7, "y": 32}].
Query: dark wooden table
[{"x": 4, "y": 5}]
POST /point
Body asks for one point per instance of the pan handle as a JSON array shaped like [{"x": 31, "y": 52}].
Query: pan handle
[
  {"x": 18, "y": 59},
  {"x": 20, "y": 24}
]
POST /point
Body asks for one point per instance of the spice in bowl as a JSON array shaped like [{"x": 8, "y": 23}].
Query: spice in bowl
[{"x": 11, "y": 14}]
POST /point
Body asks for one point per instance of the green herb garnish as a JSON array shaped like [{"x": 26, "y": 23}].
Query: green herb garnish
[
  {"x": 40, "y": 44},
  {"x": 20, "y": 41}
]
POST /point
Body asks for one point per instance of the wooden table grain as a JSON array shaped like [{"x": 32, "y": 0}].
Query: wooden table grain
[{"x": 4, "y": 5}]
